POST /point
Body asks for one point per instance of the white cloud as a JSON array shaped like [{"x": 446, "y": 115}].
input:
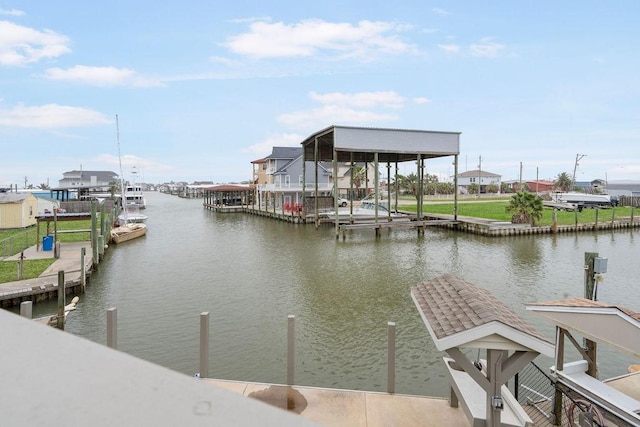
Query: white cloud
[
  {"x": 421, "y": 100},
  {"x": 387, "y": 99},
  {"x": 263, "y": 148},
  {"x": 12, "y": 12},
  {"x": 440, "y": 12},
  {"x": 100, "y": 76},
  {"x": 449, "y": 48},
  {"x": 486, "y": 48},
  {"x": 251, "y": 19},
  {"x": 332, "y": 114},
  {"x": 314, "y": 37},
  {"x": 21, "y": 45},
  {"x": 50, "y": 116},
  {"x": 346, "y": 109},
  {"x": 129, "y": 161}
]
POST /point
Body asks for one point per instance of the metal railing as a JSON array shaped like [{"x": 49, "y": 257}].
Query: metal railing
[{"x": 536, "y": 391}]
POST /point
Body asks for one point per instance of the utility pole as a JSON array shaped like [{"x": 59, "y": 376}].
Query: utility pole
[
  {"x": 575, "y": 167},
  {"x": 479, "y": 174},
  {"x": 520, "y": 179}
]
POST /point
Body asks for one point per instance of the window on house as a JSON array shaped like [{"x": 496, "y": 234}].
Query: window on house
[
  {"x": 300, "y": 180},
  {"x": 30, "y": 210},
  {"x": 287, "y": 180}
]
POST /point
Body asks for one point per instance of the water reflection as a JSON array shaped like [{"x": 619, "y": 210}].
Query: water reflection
[{"x": 250, "y": 273}]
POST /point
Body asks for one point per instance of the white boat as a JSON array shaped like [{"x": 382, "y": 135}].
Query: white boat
[
  {"x": 130, "y": 226},
  {"x": 134, "y": 197},
  {"x": 131, "y": 214},
  {"x": 127, "y": 232},
  {"x": 585, "y": 200}
]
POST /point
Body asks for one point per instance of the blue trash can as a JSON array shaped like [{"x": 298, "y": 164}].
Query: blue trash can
[{"x": 47, "y": 243}]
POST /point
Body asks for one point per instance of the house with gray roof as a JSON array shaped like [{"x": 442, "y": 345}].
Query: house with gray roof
[
  {"x": 84, "y": 178},
  {"x": 478, "y": 177},
  {"x": 283, "y": 172}
]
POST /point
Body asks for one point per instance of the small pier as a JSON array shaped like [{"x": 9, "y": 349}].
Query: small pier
[{"x": 46, "y": 286}]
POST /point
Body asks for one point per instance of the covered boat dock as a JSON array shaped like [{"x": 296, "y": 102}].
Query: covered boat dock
[{"x": 377, "y": 145}]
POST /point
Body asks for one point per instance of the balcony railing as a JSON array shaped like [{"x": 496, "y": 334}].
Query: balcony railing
[{"x": 294, "y": 187}]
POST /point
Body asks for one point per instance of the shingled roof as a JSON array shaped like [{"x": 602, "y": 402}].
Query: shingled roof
[{"x": 460, "y": 314}]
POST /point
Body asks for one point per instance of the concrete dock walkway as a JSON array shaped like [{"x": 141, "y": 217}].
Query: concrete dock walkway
[
  {"x": 334, "y": 407},
  {"x": 69, "y": 261}
]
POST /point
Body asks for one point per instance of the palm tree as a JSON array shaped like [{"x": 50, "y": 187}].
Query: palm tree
[
  {"x": 359, "y": 177},
  {"x": 563, "y": 181},
  {"x": 525, "y": 207},
  {"x": 409, "y": 183}
]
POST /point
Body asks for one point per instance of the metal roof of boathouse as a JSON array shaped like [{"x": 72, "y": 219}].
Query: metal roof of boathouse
[
  {"x": 392, "y": 145},
  {"x": 460, "y": 314}
]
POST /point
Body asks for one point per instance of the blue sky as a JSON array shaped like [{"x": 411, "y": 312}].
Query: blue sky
[{"x": 202, "y": 88}]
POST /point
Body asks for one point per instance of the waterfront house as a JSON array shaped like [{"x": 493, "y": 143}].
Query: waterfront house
[
  {"x": 18, "y": 210},
  {"x": 83, "y": 178},
  {"x": 259, "y": 172},
  {"x": 478, "y": 177},
  {"x": 283, "y": 175},
  {"x": 365, "y": 182}
]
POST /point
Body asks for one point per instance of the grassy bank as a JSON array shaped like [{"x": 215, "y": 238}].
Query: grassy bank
[
  {"x": 30, "y": 269},
  {"x": 15, "y": 241},
  {"x": 497, "y": 210}
]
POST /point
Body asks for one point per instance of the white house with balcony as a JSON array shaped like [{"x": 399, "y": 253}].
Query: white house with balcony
[
  {"x": 84, "y": 178},
  {"x": 477, "y": 177}
]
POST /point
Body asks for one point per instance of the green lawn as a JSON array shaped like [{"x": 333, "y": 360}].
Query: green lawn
[
  {"x": 15, "y": 241},
  {"x": 497, "y": 210},
  {"x": 30, "y": 269}
]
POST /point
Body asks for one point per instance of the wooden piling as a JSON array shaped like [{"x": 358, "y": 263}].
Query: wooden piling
[
  {"x": 61, "y": 301},
  {"x": 26, "y": 309},
  {"x": 112, "y": 328},
  {"x": 391, "y": 357},
  {"x": 204, "y": 344},
  {"x": 290, "y": 348},
  {"x": 83, "y": 268}
]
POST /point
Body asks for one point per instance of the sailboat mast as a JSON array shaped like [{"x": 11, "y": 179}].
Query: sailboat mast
[{"x": 122, "y": 195}]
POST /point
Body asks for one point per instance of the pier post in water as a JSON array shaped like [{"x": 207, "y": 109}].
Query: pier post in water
[
  {"x": 590, "y": 290},
  {"x": 83, "y": 268},
  {"x": 94, "y": 233},
  {"x": 204, "y": 344},
  {"x": 112, "y": 328},
  {"x": 100, "y": 247},
  {"x": 291, "y": 336},
  {"x": 61, "y": 301},
  {"x": 391, "y": 357},
  {"x": 26, "y": 309}
]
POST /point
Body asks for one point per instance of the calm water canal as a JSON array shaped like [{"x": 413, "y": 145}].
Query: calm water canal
[{"x": 251, "y": 272}]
